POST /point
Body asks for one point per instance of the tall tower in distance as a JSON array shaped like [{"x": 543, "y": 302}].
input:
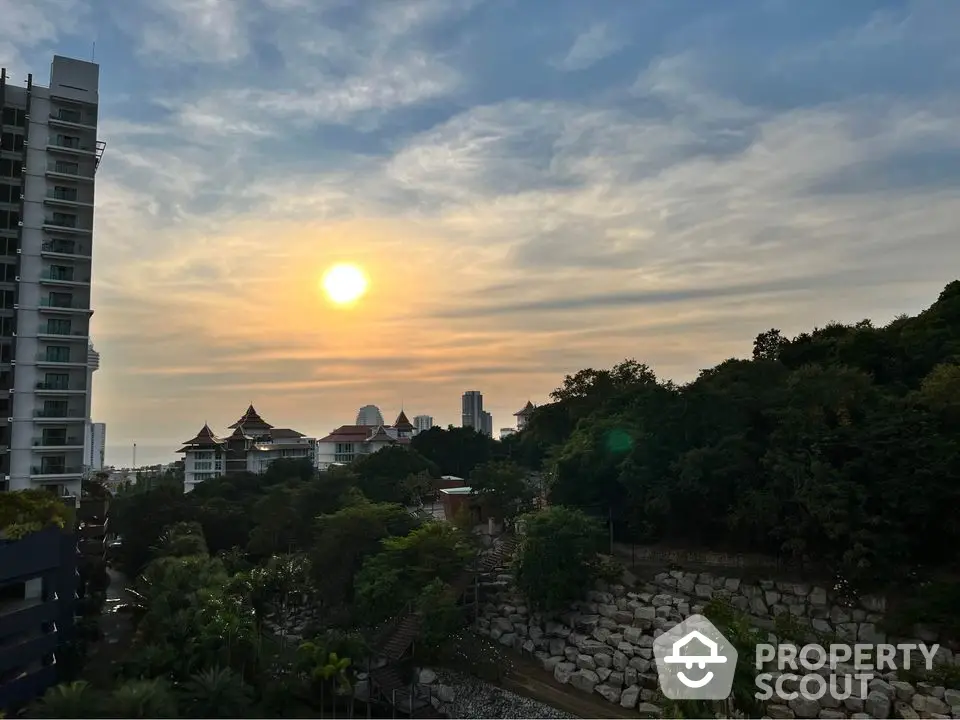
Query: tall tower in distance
[
  {"x": 369, "y": 416},
  {"x": 472, "y": 410},
  {"x": 422, "y": 423},
  {"x": 47, "y": 178}
]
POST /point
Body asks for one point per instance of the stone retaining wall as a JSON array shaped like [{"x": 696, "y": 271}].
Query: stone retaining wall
[{"x": 604, "y": 644}]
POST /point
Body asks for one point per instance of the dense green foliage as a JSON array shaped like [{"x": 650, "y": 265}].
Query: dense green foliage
[
  {"x": 27, "y": 511},
  {"x": 557, "y": 558},
  {"x": 838, "y": 448}
]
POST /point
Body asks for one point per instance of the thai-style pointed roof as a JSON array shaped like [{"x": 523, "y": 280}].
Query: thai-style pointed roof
[
  {"x": 239, "y": 434},
  {"x": 204, "y": 438},
  {"x": 380, "y": 434},
  {"x": 527, "y": 410},
  {"x": 402, "y": 422},
  {"x": 251, "y": 420}
]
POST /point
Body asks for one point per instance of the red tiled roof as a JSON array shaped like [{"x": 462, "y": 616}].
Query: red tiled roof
[
  {"x": 402, "y": 423},
  {"x": 348, "y": 433}
]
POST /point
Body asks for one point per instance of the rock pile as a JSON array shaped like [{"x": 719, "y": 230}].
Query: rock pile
[{"x": 604, "y": 644}]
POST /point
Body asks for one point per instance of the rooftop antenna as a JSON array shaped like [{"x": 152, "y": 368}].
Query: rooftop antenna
[{"x": 93, "y": 51}]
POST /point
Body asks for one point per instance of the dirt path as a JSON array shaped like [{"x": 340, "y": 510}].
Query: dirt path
[{"x": 530, "y": 680}]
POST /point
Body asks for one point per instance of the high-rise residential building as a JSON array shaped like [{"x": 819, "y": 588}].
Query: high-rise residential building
[
  {"x": 49, "y": 153},
  {"x": 422, "y": 423},
  {"x": 472, "y": 408},
  {"x": 369, "y": 416},
  {"x": 95, "y": 447},
  {"x": 486, "y": 423}
]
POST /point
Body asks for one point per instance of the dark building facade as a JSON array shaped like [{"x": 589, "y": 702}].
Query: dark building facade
[{"x": 38, "y": 583}]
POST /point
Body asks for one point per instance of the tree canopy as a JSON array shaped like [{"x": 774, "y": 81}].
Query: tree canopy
[{"x": 831, "y": 448}]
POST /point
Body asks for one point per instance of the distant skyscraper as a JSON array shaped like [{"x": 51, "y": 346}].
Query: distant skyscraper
[
  {"x": 472, "y": 410},
  {"x": 422, "y": 423},
  {"x": 370, "y": 416},
  {"x": 95, "y": 443},
  {"x": 486, "y": 423}
]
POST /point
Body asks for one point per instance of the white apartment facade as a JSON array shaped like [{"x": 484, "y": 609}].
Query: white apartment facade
[{"x": 49, "y": 153}]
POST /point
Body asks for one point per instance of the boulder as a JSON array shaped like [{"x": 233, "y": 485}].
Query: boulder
[
  {"x": 629, "y": 697},
  {"x": 563, "y": 671},
  {"x": 585, "y": 680},
  {"x": 608, "y": 693}
]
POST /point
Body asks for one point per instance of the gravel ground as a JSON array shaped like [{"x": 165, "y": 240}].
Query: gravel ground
[{"x": 476, "y": 699}]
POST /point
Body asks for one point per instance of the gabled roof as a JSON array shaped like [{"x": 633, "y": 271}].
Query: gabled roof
[
  {"x": 348, "y": 433},
  {"x": 402, "y": 423},
  {"x": 381, "y": 435},
  {"x": 251, "y": 421},
  {"x": 239, "y": 434},
  {"x": 284, "y": 433},
  {"x": 527, "y": 410},
  {"x": 204, "y": 437}
]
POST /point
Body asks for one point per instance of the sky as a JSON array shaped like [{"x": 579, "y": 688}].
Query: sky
[{"x": 533, "y": 187}]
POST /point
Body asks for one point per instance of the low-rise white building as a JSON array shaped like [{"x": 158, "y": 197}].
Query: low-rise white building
[
  {"x": 252, "y": 446},
  {"x": 348, "y": 442}
]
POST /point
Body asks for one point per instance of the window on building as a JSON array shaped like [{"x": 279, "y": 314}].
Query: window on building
[
  {"x": 8, "y": 271},
  {"x": 63, "y": 300},
  {"x": 9, "y": 116},
  {"x": 58, "y": 353},
  {"x": 56, "y": 381},
  {"x": 55, "y": 408},
  {"x": 58, "y": 326},
  {"x": 65, "y": 219},
  {"x": 69, "y": 115},
  {"x": 67, "y": 168},
  {"x": 6, "y": 299},
  {"x": 68, "y": 141},
  {"x": 6, "y": 328},
  {"x": 6, "y": 352},
  {"x": 61, "y": 272},
  {"x": 65, "y": 193}
]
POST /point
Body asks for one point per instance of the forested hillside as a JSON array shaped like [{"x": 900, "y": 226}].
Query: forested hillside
[{"x": 839, "y": 447}]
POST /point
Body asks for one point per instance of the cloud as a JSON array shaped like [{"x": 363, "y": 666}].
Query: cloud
[
  {"x": 523, "y": 210},
  {"x": 591, "y": 46}
]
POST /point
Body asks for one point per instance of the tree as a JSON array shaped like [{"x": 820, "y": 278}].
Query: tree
[
  {"x": 69, "y": 700},
  {"x": 393, "y": 578},
  {"x": 382, "y": 475},
  {"x": 325, "y": 670},
  {"x": 502, "y": 488},
  {"x": 344, "y": 539},
  {"x": 216, "y": 693},
  {"x": 557, "y": 557},
  {"x": 142, "y": 699},
  {"x": 456, "y": 450}
]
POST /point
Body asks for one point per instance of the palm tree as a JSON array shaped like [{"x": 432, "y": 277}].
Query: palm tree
[
  {"x": 69, "y": 700},
  {"x": 324, "y": 668},
  {"x": 217, "y": 693},
  {"x": 142, "y": 699}
]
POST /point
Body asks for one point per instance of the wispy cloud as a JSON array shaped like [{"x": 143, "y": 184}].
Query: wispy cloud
[
  {"x": 531, "y": 191},
  {"x": 591, "y": 46}
]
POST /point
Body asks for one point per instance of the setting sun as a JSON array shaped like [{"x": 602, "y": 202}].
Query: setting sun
[{"x": 344, "y": 283}]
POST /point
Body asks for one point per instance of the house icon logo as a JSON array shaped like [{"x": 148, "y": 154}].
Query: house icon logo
[{"x": 695, "y": 661}]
